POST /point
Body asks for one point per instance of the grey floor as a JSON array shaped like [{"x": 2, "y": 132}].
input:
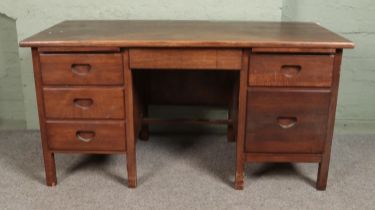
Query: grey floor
[{"x": 183, "y": 172}]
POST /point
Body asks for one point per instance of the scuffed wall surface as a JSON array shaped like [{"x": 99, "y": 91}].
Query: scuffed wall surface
[
  {"x": 12, "y": 110},
  {"x": 354, "y": 20},
  {"x": 35, "y": 15}
]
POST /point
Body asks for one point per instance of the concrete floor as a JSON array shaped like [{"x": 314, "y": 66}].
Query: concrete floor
[{"x": 183, "y": 172}]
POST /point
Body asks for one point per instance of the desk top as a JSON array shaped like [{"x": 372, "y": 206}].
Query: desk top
[{"x": 141, "y": 33}]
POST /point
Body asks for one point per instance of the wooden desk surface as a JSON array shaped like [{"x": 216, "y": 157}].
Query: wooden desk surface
[
  {"x": 140, "y": 33},
  {"x": 278, "y": 81}
]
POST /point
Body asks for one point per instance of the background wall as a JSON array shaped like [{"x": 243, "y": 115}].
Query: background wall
[
  {"x": 352, "y": 19},
  {"x": 12, "y": 113}
]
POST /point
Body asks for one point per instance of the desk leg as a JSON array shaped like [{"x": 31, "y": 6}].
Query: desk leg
[
  {"x": 240, "y": 170},
  {"x": 130, "y": 107},
  {"x": 50, "y": 168},
  {"x": 132, "y": 169},
  {"x": 321, "y": 183},
  {"x": 241, "y": 116},
  {"x": 324, "y": 164},
  {"x": 48, "y": 156}
]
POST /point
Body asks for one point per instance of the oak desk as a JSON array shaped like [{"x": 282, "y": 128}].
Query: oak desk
[{"x": 279, "y": 81}]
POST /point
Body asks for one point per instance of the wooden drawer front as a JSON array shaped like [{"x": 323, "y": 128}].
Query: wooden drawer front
[
  {"x": 84, "y": 103},
  {"x": 86, "y": 135},
  {"x": 81, "y": 69},
  {"x": 286, "y": 121},
  {"x": 291, "y": 70},
  {"x": 226, "y": 59}
]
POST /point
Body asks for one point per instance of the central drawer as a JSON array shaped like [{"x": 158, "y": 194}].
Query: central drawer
[
  {"x": 84, "y": 103},
  {"x": 286, "y": 120},
  {"x": 220, "y": 59}
]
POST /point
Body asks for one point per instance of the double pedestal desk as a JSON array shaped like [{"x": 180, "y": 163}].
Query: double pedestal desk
[{"x": 278, "y": 80}]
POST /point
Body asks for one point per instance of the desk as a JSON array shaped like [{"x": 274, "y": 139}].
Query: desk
[{"x": 279, "y": 81}]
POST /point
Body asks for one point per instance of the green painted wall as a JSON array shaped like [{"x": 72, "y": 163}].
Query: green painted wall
[
  {"x": 12, "y": 113},
  {"x": 352, "y": 19}
]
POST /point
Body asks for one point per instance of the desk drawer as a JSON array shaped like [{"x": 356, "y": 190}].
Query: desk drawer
[
  {"x": 291, "y": 70},
  {"x": 286, "y": 120},
  {"x": 86, "y": 135},
  {"x": 82, "y": 69},
  {"x": 84, "y": 103},
  {"x": 226, "y": 59}
]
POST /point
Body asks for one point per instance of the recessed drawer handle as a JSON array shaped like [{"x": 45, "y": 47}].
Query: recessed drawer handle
[
  {"x": 81, "y": 69},
  {"x": 83, "y": 103},
  {"x": 290, "y": 71},
  {"x": 85, "y": 136},
  {"x": 286, "y": 122}
]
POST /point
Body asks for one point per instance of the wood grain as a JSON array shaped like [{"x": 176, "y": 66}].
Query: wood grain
[
  {"x": 225, "y": 59},
  {"x": 267, "y": 127},
  {"x": 282, "y": 158},
  {"x": 291, "y": 70},
  {"x": 241, "y": 122},
  {"x": 91, "y": 49},
  {"x": 293, "y": 50},
  {"x": 82, "y": 69},
  {"x": 282, "y": 97},
  {"x": 147, "y": 33},
  {"x": 65, "y": 103},
  {"x": 321, "y": 183},
  {"x": 131, "y": 121},
  {"x": 100, "y": 135},
  {"x": 48, "y": 155}
]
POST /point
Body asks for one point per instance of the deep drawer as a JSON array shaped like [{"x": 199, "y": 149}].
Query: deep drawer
[
  {"x": 82, "y": 69},
  {"x": 286, "y": 120},
  {"x": 86, "y": 135},
  {"x": 84, "y": 103},
  {"x": 291, "y": 70}
]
